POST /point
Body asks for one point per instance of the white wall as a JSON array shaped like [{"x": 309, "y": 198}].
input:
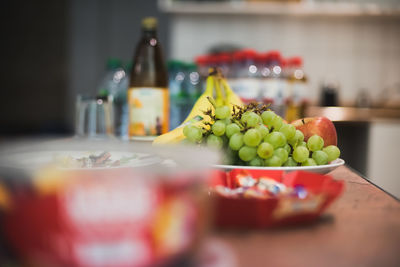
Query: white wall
[{"x": 360, "y": 52}]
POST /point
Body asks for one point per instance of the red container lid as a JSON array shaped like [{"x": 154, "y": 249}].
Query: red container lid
[
  {"x": 213, "y": 59},
  {"x": 245, "y": 54},
  {"x": 262, "y": 57},
  {"x": 249, "y": 54},
  {"x": 284, "y": 62},
  {"x": 275, "y": 55},
  {"x": 238, "y": 55},
  {"x": 224, "y": 57},
  {"x": 201, "y": 60},
  {"x": 296, "y": 61}
]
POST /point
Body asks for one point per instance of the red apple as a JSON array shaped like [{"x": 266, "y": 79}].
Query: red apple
[{"x": 321, "y": 126}]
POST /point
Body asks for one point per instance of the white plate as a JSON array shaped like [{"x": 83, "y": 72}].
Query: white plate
[
  {"x": 41, "y": 158},
  {"x": 142, "y": 138},
  {"x": 318, "y": 169}
]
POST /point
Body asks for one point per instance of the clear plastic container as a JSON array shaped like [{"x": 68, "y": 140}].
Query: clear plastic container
[
  {"x": 91, "y": 203},
  {"x": 244, "y": 80},
  {"x": 273, "y": 86},
  {"x": 225, "y": 64}
]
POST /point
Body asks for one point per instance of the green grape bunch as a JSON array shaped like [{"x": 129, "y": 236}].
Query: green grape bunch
[{"x": 253, "y": 135}]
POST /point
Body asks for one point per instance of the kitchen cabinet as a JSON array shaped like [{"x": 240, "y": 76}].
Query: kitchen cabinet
[{"x": 383, "y": 155}]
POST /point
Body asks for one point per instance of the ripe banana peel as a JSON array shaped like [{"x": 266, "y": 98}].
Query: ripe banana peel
[
  {"x": 202, "y": 104},
  {"x": 176, "y": 135},
  {"x": 196, "y": 116},
  {"x": 232, "y": 98}
]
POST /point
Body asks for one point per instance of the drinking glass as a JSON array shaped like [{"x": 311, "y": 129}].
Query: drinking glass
[{"x": 94, "y": 117}]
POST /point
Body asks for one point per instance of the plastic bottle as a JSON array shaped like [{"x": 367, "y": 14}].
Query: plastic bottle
[
  {"x": 299, "y": 95},
  {"x": 285, "y": 85},
  {"x": 192, "y": 82},
  {"x": 113, "y": 87},
  {"x": 273, "y": 85},
  {"x": 224, "y": 63},
  {"x": 202, "y": 64},
  {"x": 263, "y": 73},
  {"x": 176, "y": 76},
  {"x": 244, "y": 78},
  {"x": 191, "y": 87},
  {"x": 212, "y": 61},
  {"x": 148, "y": 95},
  {"x": 111, "y": 79}
]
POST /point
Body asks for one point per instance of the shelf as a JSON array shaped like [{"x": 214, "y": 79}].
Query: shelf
[{"x": 277, "y": 8}]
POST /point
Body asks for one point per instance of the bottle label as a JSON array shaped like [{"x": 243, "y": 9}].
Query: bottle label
[{"x": 148, "y": 111}]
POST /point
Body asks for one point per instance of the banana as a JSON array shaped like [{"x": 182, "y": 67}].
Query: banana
[
  {"x": 231, "y": 98},
  {"x": 204, "y": 103},
  {"x": 195, "y": 117},
  {"x": 176, "y": 135},
  {"x": 219, "y": 100}
]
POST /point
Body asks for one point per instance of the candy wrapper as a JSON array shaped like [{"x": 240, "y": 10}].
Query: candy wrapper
[{"x": 259, "y": 199}]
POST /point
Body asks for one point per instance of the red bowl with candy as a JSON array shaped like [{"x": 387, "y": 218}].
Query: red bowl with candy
[{"x": 259, "y": 199}]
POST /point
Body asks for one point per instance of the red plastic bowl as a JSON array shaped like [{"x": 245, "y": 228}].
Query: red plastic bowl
[{"x": 240, "y": 212}]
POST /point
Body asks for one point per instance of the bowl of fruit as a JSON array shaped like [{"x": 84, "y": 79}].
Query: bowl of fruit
[{"x": 253, "y": 136}]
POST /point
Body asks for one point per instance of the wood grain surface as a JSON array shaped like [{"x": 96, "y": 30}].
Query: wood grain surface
[{"x": 362, "y": 228}]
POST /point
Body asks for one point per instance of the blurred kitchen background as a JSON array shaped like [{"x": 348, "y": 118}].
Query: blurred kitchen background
[{"x": 53, "y": 50}]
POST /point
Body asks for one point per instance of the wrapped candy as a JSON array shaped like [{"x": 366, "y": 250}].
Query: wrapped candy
[
  {"x": 262, "y": 187},
  {"x": 261, "y": 198}
]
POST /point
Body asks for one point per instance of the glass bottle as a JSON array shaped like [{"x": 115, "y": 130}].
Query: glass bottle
[{"x": 148, "y": 94}]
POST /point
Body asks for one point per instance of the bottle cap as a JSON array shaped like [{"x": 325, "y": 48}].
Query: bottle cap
[
  {"x": 113, "y": 63},
  {"x": 212, "y": 60},
  {"x": 149, "y": 23},
  {"x": 174, "y": 64},
  {"x": 191, "y": 66},
  {"x": 249, "y": 54},
  {"x": 201, "y": 60},
  {"x": 262, "y": 57},
  {"x": 238, "y": 55},
  {"x": 224, "y": 58},
  {"x": 296, "y": 61},
  {"x": 275, "y": 55},
  {"x": 245, "y": 54},
  {"x": 284, "y": 62}
]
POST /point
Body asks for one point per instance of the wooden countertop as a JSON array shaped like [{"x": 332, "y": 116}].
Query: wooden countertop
[
  {"x": 351, "y": 114},
  {"x": 362, "y": 228}
]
